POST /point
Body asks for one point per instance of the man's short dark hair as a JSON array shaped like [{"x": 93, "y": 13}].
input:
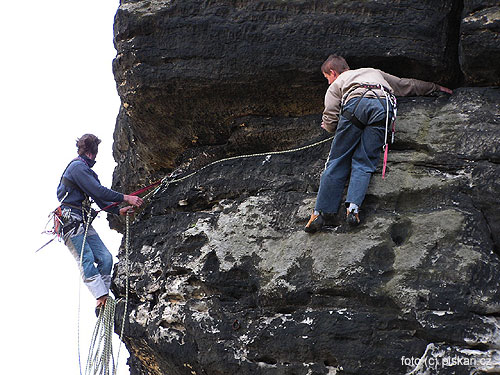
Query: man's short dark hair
[
  {"x": 87, "y": 143},
  {"x": 336, "y": 63}
]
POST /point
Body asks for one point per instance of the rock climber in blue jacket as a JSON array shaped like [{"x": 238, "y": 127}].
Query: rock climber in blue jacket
[{"x": 79, "y": 183}]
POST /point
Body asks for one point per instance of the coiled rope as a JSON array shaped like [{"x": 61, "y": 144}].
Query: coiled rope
[{"x": 101, "y": 347}]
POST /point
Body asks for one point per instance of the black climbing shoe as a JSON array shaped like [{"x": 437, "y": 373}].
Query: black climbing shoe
[
  {"x": 331, "y": 220},
  {"x": 315, "y": 223},
  {"x": 352, "y": 218}
]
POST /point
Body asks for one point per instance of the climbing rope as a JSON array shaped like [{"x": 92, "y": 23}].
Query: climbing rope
[
  {"x": 87, "y": 225},
  {"x": 127, "y": 278},
  {"x": 165, "y": 182},
  {"x": 162, "y": 185}
]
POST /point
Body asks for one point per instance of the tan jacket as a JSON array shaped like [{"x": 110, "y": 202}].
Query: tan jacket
[{"x": 350, "y": 78}]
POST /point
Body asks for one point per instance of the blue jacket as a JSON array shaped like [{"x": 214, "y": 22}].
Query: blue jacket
[{"x": 79, "y": 172}]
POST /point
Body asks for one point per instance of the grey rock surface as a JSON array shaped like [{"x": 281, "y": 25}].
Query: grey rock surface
[
  {"x": 223, "y": 279},
  {"x": 480, "y": 42}
]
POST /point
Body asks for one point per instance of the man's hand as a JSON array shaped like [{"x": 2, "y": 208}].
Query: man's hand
[
  {"x": 133, "y": 200},
  {"x": 445, "y": 89},
  {"x": 328, "y": 128},
  {"x": 101, "y": 301},
  {"x": 126, "y": 210}
]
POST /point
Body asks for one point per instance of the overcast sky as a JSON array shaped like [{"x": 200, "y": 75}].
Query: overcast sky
[{"x": 56, "y": 85}]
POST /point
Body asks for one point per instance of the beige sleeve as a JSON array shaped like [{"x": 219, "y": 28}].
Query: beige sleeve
[
  {"x": 409, "y": 86},
  {"x": 332, "y": 108}
]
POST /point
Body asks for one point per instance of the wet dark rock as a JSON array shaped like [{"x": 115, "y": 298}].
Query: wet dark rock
[
  {"x": 480, "y": 42},
  {"x": 223, "y": 279}
]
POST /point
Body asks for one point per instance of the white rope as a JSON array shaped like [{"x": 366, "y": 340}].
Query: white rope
[
  {"x": 127, "y": 276},
  {"x": 80, "y": 284},
  {"x": 165, "y": 181}
]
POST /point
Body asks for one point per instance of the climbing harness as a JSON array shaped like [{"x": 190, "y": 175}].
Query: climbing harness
[
  {"x": 389, "y": 98},
  {"x": 63, "y": 222},
  {"x": 61, "y": 218},
  {"x": 162, "y": 185}
]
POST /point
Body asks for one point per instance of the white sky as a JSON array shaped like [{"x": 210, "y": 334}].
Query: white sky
[{"x": 56, "y": 84}]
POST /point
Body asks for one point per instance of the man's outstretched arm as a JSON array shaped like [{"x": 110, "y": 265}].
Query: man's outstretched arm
[{"x": 412, "y": 86}]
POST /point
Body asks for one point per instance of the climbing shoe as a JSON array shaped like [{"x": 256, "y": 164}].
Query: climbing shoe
[
  {"x": 331, "y": 220},
  {"x": 315, "y": 223},
  {"x": 352, "y": 218}
]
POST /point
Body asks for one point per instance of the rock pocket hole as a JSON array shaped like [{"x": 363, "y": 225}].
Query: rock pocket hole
[
  {"x": 172, "y": 325},
  {"x": 400, "y": 232},
  {"x": 267, "y": 360},
  {"x": 330, "y": 362}
]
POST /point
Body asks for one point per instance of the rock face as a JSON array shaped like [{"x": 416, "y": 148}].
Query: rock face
[
  {"x": 223, "y": 279},
  {"x": 480, "y": 42}
]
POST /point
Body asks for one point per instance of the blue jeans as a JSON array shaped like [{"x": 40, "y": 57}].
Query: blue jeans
[
  {"x": 94, "y": 252},
  {"x": 97, "y": 261},
  {"x": 355, "y": 152}
]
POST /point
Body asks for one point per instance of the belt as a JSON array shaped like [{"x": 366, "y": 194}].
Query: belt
[{"x": 72, "y": 206}]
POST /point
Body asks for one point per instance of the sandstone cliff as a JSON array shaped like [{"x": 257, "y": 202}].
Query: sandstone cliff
[{"x": 224, "y": 280}]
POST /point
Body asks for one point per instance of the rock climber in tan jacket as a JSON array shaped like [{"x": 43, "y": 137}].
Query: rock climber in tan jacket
[{"x": 358, "y": 107}]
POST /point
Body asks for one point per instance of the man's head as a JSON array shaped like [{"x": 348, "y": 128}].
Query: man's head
[
  {"x": 333, "y": 67},
  {"x": 88, "y": 144}
]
